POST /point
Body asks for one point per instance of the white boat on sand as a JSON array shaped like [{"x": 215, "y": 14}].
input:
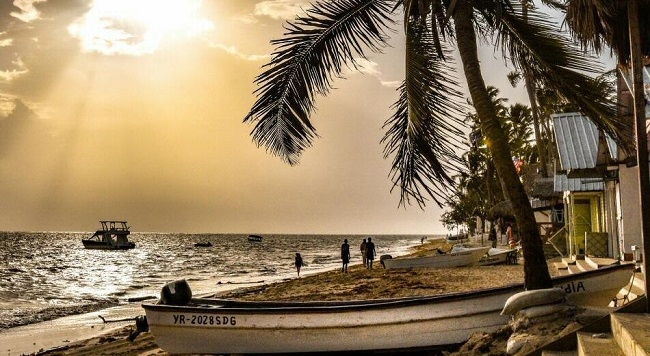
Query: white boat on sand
[
  {"x": 466, "y": 256},
  {"x": 496, "y": 256},
  {"x": 221, "y": 326}
]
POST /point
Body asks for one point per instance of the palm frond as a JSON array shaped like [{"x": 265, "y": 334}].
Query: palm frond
[
  {"x": 315, "y": 50},
  {"x": 534, "y": 45},
  {"x": 425, "y": 131},
  {"x": 603, "y": 24}
]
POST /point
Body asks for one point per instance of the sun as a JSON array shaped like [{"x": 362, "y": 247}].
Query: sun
[{"x": 137, "y": 27}]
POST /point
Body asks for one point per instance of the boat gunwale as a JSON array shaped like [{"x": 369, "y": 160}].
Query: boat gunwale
[{"x": 210, "y": 305}]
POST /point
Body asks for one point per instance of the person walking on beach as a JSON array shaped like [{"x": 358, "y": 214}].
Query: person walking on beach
[
  {"x": 345, "y": 256},
  {"x": 363, "y": 253},
  {"x": 370, "y": 252},
  {"x": 511, "y": 237},
  {"x": 298, "y": 263},
  {"x": 493, "y": 236}
]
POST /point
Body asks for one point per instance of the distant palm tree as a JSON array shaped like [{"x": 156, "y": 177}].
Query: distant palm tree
[{"x": 423, "y": 134}]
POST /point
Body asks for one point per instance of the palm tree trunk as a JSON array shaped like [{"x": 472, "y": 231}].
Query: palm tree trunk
[
  {"x": 539, "y": 142},
  {"x": 530, "y": 89},
  {"x": 536, "y": 274}
]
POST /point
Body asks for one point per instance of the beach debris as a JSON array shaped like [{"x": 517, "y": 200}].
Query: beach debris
[
  {"x": 532, "y": 298},
  {"x": 251, "y": 282},
  {"x": 139, "y": 299},
  {"x": 538, "y": 316},
  {"x": 115, "y": 320}
]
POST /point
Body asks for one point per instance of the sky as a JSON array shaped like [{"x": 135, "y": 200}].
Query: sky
[{"x": 132, "y": 110}]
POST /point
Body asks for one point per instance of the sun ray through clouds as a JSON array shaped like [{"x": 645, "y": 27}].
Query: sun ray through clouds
[{"x": 127, "y": 27}]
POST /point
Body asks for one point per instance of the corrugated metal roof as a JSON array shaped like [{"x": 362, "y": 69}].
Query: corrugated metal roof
[
  {"x": 612, "y": 146},
  {"x": 577, "y": 140},
  {"x": 562, "y": 183}
]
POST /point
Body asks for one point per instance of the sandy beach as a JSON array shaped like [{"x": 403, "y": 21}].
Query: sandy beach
[{"x": 358, "y": 283}]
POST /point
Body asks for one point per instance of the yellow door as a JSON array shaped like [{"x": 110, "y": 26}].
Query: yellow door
[{"x": 581, "y": 223}]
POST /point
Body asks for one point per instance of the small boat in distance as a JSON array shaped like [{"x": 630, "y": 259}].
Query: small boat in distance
[
  {"x": 111, "y": 236},
  {"x": 255, "y": 238},
  {"x": 203, "y": 244}
]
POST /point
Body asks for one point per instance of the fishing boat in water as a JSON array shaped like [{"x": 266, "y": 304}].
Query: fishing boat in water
[
  {"x": 113, "y": 235},
  {"x": 203, "y": 244},
  {"x": 187, "y": 325},
  {"x": 465, "y": 256},
  {"x": 254, "y": 238}
]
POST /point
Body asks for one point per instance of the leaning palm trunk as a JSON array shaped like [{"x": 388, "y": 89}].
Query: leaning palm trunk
[
  {"x": 530, "y": 90},
  {"x": 535, "y": 267}
]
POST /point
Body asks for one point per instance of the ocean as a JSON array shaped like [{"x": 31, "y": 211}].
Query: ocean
[{"x": 46, "y": 275}]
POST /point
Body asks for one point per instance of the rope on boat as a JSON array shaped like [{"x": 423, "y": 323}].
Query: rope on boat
[
  {"x": 625, "y": 298},
  {"x": 141, "y": 325}
]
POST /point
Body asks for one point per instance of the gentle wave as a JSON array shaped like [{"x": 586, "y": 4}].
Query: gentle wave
[{"x": 50, "y": 274}]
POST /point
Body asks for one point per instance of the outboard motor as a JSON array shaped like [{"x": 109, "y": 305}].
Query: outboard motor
[
  {"x": 176, "y": 293},
  {"x": 141, "y": 326}
]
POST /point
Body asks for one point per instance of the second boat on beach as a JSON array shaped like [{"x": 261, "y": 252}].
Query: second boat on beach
[
  {"x": 458, "y": 257},
  {"x": 221, "y": 326}
]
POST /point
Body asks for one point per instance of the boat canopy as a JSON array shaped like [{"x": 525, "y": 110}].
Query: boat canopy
[{"x": 110, "y": 225}]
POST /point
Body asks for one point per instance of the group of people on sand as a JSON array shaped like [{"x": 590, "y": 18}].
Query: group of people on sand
[
  {"x": 367, "y": 249},
  {"x": 368, "y": 252}
]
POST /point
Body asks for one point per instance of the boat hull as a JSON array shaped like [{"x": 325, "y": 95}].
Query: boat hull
[
  {"x": 254, "y": 238},
  {"x": 462, "y": 258},
  {"x": 229, "y": 326},
  {"x": 496, "y": 256},
  {"x": 99, "y": 245}
]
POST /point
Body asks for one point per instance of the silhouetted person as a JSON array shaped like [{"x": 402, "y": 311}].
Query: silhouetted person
[
  {"x": 299, "y": 263},
  {"x": 345, "y": 255},
  {"x": 493, "y": 236},
  {"x": 370, "y": 252},
  {"x": 363, "y": 253}
]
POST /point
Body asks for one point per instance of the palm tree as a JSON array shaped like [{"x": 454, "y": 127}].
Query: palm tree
[{"x": 423, "y": 133}]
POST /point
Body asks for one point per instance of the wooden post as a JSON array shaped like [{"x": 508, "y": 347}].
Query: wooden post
[{"x": 636, "y": 60}]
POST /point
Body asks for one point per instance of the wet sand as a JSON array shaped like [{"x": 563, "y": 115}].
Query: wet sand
[{"x": 358, "y": 283}]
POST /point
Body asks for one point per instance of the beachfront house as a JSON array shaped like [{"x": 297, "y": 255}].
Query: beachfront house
[
  {"x": 599, "y": 184},
  {"x": 588, "y": 184}
]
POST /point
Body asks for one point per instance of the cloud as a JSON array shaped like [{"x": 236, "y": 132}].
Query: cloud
[
  {"x": 28, "y": 11},
  {"x": 280, "y": 9},
  {"x": 135, "y": 28},
  {"x": 234, "y": 51},
  {"x": 371, "y": 68},
  {"x": 11, "y": 74},
  {"x": 248, "y": 19},
  {"x": 391, "y": 83},
  {"x": 6, "y": 42}
]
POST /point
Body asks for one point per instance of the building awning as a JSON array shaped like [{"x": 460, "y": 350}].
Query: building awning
[
  {"x": 577, "y": 141},
  {"x": 563, "y": 184}
]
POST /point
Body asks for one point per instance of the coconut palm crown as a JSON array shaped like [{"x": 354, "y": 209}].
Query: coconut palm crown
[{"x": 423, "y": 134}]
